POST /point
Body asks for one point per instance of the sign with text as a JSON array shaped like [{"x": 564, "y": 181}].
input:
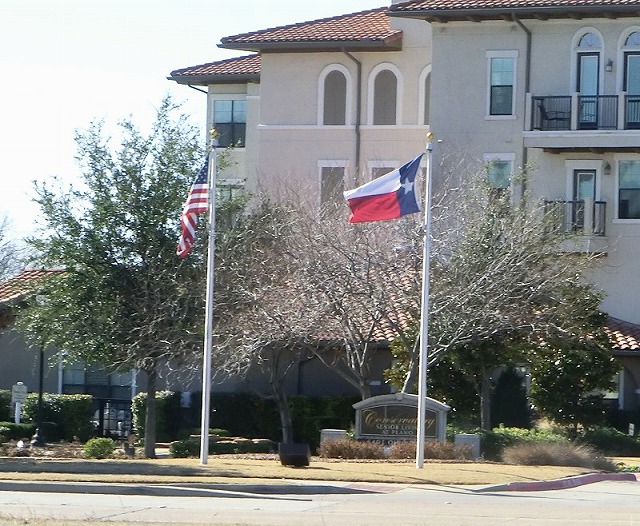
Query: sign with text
[
  {"x": 19, "y": 393},
  {"x": 396, "y": 421},
  {"x": 395, "y": 417}
]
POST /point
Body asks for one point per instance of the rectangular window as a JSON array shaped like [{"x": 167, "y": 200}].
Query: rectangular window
[
  {"x": 230, "y": 121},
  {"x": 73, "y": 374},
  {"x": 499, "y": 174},
  {"x": 331, "y": 185},
  {"x": 499, "y": 168},
  {"x": 229, "y": 189},
  {"x": 501, "y": 83},
  {"x": 629, "y": 190},
  {"x": 379, "y": 171}
]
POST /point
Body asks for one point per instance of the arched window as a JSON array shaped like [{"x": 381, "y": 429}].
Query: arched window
[
  {"x": 588, "y": 50},
  {"x": 424, "y": 91},
  {"x": 334, "y": 103},
  {"x": 384, "y": 99},
  {"x": 587, "y": 57},
  {"x": 335, "y": 98},
  {"x": 631, "y": 54}
]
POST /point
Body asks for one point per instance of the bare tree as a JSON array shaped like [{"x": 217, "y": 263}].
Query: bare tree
[
  {"x": 263, "y": 320},
  {"x": 11, "y": 254},
  {"x": 500, "y": 284},
  {"x": 362, "y": 280}
]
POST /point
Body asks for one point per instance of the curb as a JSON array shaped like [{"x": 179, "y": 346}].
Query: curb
[{"x": 564, "y": 483}]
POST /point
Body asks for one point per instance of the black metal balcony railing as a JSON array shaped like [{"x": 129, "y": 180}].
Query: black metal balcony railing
[
  {"x": 594, "y": 112},
  {"x": 551, "y": 113},
  {"x": 632, "y": 112},
  {"x": 597, "y": 112},
  {"x": 586, "y": 218}
]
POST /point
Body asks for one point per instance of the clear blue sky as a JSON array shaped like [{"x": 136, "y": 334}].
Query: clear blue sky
[{"x": 65, "y": 63}]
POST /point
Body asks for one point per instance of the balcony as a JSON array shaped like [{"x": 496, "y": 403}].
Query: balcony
[
  {"x": 582, "y": 112},
  {"x": 586, "y": 219},
  {"x": 580, "y": 122}
]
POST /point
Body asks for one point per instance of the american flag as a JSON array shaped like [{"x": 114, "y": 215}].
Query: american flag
[{"x": 197, "y": 203}]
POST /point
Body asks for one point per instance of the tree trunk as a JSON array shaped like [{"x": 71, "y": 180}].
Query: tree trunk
[
  {"x": 365, "y": 391},
  {"x": 150, "y": 415},
  {"x": 485, "y": 400},
  {"x": 282, "y": 402}
]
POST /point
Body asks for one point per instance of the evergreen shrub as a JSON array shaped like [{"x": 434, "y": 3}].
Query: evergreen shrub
[
  {"x": 5, "y": 405},
  {"x": 71, "y": 415},
  {"x": 13, "y": 431},
  {"x": 99, "y": 448},
  {"x": 610, "y": 441}
]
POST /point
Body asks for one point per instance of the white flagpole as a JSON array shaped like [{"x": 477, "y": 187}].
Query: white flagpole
[
  {"x": 424, "y": 312},
  {"x": 208, "y": 321}
]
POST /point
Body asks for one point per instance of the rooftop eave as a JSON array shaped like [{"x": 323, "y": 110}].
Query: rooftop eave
[
  {"x": 539, "y": 13},
  {"x": 206, "y": 80},
  {"x": 625, "y": 352},
  {"x": 317, "y": 46}
]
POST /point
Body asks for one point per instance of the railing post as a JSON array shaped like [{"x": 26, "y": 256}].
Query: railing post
[
  {"x": 574, "y": 111},
  {"x": 528, "y": 113},
  {"x": 587, "y": 228},
  {"x": 622, "y": 110}
]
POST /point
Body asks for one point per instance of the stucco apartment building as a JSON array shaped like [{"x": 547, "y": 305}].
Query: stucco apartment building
[{"x": 552, "y": 86}]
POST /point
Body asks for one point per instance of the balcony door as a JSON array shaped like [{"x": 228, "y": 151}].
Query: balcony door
[
  {"x": 584, "y": 194},
  {"x": 588, "y": 85},
  {"x": 632, "y": 87}
]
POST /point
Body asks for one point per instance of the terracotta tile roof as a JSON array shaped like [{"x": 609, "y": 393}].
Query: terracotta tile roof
[
  {"x": 468, "y": 9},
  {"x": 363, "y": 30},
  {"x": 23, "y": 283},
  {"x": 237, "y": 69},
  {"x": 624, "y": 336}
]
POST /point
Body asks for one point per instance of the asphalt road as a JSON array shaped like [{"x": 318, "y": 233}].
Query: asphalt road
[{"x": 319, "y": 503}]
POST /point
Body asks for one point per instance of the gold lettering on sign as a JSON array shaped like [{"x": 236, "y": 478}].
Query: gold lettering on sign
[{"x": 394, "y": 421}]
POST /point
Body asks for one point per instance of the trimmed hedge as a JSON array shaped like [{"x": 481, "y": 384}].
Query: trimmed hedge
[
  {"x": 246, "y": 415},
  {"x": 168, "y": 415},
  {"x": 5, "y": 405},
  {"x": 13, "y": 431},
  {"x": 63, "y": 416},
  {"x": 191, "y": 448}
]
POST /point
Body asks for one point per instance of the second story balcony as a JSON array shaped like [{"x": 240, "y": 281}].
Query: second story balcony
[
  {"x": 575, "y": 122},
  {"x": 585, "y": 219},
  {"x": 585, "y": 112}
]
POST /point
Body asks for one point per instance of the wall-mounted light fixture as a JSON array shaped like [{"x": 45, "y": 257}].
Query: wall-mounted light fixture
[
  {"x": 606, "y": 168},
  {"x": 609, "y": 66}
]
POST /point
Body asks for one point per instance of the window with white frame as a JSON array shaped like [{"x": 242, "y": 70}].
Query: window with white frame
[
  {"x": 230, "y": 121},
  {"x": 501, "y": 66},
  {"x": 631, "y": 77},
  {"x": 380, "y": 168},
  {"x": 499, "y": 169},
  {"x": 335, "y": 98},
  {"x": 385, "y": 97},
  {"x": 331, "y": 185},
  {"x": 424, "y": 94},
  {"x": 629, "y": 189}
]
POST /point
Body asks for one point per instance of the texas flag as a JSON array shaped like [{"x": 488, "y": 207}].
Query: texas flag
[{"x": 388, "y": 197}]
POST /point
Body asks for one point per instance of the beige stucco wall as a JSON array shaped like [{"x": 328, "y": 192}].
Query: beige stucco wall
[
  {"x": 459, "y": 95},
  {"x": 290, "y": 141}
]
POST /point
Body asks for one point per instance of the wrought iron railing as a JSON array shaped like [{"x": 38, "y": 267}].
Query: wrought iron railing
[
  {"x": 551, "y": 113},
  {"x": 592, "y": 112},
  {"x": 586, "y": 217},
  {"x": 597, "y": 112}
]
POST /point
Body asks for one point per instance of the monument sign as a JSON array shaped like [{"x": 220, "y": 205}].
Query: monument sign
[{"x": 395, "y": 417}]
